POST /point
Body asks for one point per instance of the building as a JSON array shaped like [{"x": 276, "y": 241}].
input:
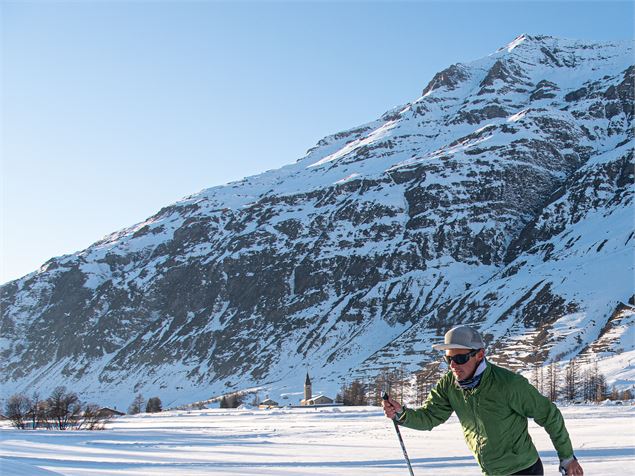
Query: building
[
  {"x": 309, "y": 399},
  {"x": 106, "y": 412},
  {"x": 307, "y": 391},
  {"x": 268, "y": 403},
  {"x": 318, "y": 400}
]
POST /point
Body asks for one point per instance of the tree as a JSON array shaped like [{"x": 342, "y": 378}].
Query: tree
[
  {"x": 256, "y": 400},
  {"x": 92, "y": 419},
  {"x": 381, "y": 385},
  {"x": 64, "y": 408},
  {"x": 234, "y": 400},
  {"x": 358, "y": 393},
  {"x": 552, "y": 382},
  {"x": 601, "y": 388},
  {"x": 593, "y": 384},
  {"x": 537, "y": 377},
  {"x": 154, "y": 405},
  {"x": 339, "y": 398},
  {"x": 17, "y": 408},
  {"x": 137, "y": 405},
  {"x": 571, "y": 380},
  {"x": 353, "y": 394},
  {"x": 587, "y": 384},
  {"x": 37, "y": 411},
  {"x": 392, "y": 381},
  {"x": 425, "y": 380},
  {"x": 371, "y": 397}
]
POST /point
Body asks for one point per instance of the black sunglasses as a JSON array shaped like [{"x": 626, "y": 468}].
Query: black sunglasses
[{"x": 461, "y": 358}]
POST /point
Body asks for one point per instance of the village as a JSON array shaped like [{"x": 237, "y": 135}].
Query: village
[{"x": 309, "y": 399}]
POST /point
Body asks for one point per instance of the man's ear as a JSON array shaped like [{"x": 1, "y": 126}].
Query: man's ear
[{"x": 481, "y": 354}]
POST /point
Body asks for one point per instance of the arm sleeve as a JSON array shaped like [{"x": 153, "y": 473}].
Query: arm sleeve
[
  {"x": 530, "y": 403},
  {"x": 435, "y": 410}
]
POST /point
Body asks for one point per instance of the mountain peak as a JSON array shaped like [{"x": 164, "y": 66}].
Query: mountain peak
[
  {"x": 527, "y": 39},
  {"x": 517, "y": 41},
  {"x": 530, "y": 55}
]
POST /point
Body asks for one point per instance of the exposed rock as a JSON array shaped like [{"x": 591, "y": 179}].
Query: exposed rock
[{"x": 496, "y": 204}]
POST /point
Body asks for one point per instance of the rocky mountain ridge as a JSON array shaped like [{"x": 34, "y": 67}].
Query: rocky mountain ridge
[{"x": 501, "y": 197}]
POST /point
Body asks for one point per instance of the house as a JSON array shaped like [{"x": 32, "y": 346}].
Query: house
[
  {"x": 319, "y": 400},
  {"x": 106, "y": 412},
  {"x": 268, "y": 403}
]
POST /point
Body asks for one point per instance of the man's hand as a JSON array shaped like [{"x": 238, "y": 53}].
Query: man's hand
[
  {"x": 391, "y": 408},
  {"x": 574, "y": 469}
]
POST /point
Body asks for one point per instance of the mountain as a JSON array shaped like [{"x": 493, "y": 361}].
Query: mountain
[{"x": 502, "y": 197}]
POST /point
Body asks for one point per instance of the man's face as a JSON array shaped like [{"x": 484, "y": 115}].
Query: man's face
[{"x": 461, "y": 372}]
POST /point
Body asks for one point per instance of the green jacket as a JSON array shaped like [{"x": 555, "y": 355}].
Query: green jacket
[{"x": 494, "y": 419}]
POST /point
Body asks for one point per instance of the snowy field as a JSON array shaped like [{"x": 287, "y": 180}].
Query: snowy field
[{"x": 323, "y": 441}]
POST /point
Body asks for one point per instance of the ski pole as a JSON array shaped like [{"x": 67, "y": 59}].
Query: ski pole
[{"x": 403, "y": 447}]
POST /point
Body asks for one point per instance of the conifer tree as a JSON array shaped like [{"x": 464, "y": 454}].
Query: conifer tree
[{"x": 137, "y": 405}]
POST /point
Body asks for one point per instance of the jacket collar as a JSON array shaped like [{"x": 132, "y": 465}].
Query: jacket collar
[{"x": 473, "y": 383}]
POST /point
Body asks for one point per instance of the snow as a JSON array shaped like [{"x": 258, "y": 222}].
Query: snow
[
  {"x": 10, "y": 467},
  {"x": 345, "y": 441},
  {"x": 619, "y": 368},
  {"x": 515, "y": 43},
  {"x": 347, "y": 179},
  {"x": 518, "y": 116}
]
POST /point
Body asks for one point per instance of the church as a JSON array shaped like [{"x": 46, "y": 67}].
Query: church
[{"x": 310, "y": 400}]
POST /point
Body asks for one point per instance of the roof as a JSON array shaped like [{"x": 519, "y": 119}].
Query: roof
[
  {"x": 315, "y": 397},
  {"x": 105, "y": 410}
]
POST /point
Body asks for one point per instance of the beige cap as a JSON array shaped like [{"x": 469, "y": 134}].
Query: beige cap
[{"x": 461, "y": 337}]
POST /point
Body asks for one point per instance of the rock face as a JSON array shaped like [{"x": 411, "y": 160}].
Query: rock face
[{"x": 502, "y": 197}]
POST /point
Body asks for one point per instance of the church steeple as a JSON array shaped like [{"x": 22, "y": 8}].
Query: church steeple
[{"x": 307, "y": 388}]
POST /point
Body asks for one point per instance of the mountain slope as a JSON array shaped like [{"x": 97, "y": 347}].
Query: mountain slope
[{"x": 502, "y": 197}]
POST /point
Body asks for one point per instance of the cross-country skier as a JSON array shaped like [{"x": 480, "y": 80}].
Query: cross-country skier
[{"x": 493, "y": 405}]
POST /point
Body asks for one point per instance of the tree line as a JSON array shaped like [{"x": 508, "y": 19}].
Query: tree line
[
  {"x": 398, "y": 382},
  {"x": 62, "y": 410},
  {"x": 574, "y": 382}
]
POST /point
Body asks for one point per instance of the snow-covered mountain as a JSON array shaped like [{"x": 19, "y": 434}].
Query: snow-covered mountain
[{"x": 502, "y": 197}]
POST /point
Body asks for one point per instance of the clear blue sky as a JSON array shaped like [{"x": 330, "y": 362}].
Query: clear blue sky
[{"x": 112, "y": 110}]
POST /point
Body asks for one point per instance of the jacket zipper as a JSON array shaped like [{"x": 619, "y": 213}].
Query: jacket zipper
[{"x": 473, "y": 403}]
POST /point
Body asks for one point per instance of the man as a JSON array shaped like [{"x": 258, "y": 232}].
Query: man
[{"x": 493, "y": 405}]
